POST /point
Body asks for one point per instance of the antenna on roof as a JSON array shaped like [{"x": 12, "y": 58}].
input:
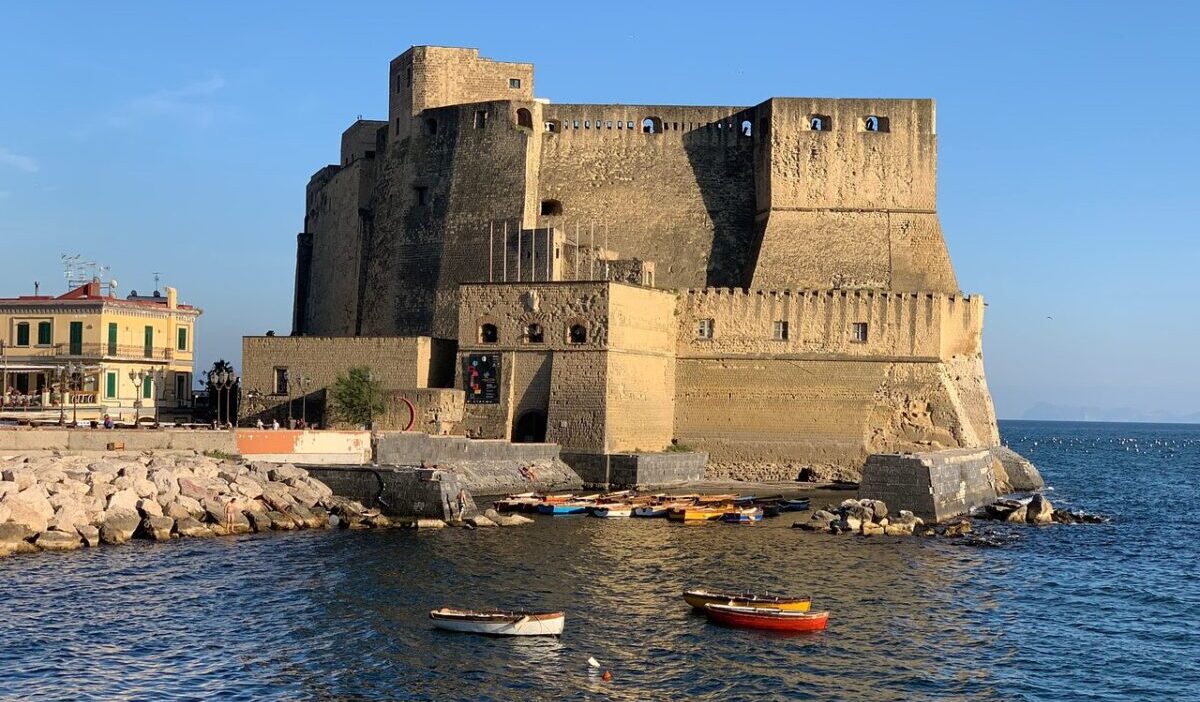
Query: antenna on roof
[{"x": 156, "y": 276}]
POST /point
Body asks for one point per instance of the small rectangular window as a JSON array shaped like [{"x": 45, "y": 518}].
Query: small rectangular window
[
  {"x": 23, "y": 334},
  {"x": 148, "y": 348},
  {"x": 576, "y": 123},
  {"x": 514, "y": 83},
  {"x": 147, "y": 389},
  {"x": 781, "y": 331},
  {"x": 281, "y": 381},
  {"x": 408, "y": 73},
  {"x": 397, "y": 126},
  {"x": 112, "y": 338},
  {"x": 44, "y": 334},
  {"x": 399, "y": 83},
  {"x": 480, "y": 119},
  {"x": 704, "y": 329},
  {"x": 181, "y": 341},
  {"x": 110, "y": 385},
  {"x": 608, "y": 124},
  {"x": 422, "y": 195},
  {"x": 858, "y": 332},
  {"x": 587, "y": 124}
]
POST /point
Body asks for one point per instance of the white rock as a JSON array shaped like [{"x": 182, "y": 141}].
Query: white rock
[
  {"x": 123, "y": 501},
  {"x": 144, "y": 488},
  {"x": 150, "y": 508}
]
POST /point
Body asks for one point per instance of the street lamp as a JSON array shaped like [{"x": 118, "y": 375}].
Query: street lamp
[
  {"x": 305, "y": 383},
  {"x": 223, "y": 380},
  {"x": 159, "y": 376},
  {"x": 138, "y": 377}
]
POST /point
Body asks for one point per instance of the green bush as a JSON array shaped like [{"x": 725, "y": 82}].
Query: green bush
[{"x": 356, "y": 397}]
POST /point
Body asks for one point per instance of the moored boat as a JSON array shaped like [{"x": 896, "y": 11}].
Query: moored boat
[
  {"x": 698, "y": 513},
  {"x": 699, "y": 597},
  {"x": 564, "y": 508},
  {"x": 499, "y": 623},
  {"x": 658, "y": 510},
  {"x": 611, "y": 511},
  {"x": 743, "y": 515},
  {"x": 766, "y": 618},
  {"x": 798, "y": 505}
]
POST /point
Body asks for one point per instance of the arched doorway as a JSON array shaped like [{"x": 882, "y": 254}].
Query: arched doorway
[{"x": 530, "y": 428}]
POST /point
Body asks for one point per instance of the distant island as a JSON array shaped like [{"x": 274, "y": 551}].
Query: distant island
[{"x": 1070, "y": 413}]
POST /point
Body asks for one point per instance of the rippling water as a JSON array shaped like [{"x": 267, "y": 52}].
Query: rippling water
[{"x": 1098, "y": 612}]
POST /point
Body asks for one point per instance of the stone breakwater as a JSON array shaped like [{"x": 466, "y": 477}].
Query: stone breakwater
[
  {"x": 62, "y": 503},
  {"x": 873, "y": 518}
]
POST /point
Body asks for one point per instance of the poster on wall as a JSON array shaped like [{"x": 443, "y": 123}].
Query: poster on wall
[{"x": 482, "y": 378}]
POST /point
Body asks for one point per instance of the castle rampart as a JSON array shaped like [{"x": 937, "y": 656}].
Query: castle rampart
[{"x": 768, "y": 283}]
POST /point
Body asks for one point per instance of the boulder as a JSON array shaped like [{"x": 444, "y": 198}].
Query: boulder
[
  {"x": 166, "y": 484},
  {"x": 68, "y": 517},
  {"x": 429, "y": 524},
  {"x": 281, "y": 521},
  {"x": 58, "y": 541},
  {"x": 149, "y": 508},
  {"x": 284, "y": 471},
  {"x": 119, "y": 528},
  {"x": 7, "y": 486},
  {"x": 1017, "y": 515},
  {"x": 248, "y": 486},
  {"x": 195, "y": 488},
  {"x": 961, "y": 527},
  {"x": 278, "y": 496},
  {"x": 1039, "y": 510},
  {"x": 817, "y": 521},
  {"x": 177, "y": 511},
  {"x": 31, "y": 508},
  {"x": 123, "y": 501},
  {"x": 193, "y": 506},
  {"x": 11, "y": 534},
  {"x": 89, "y": 534},
  {"x": 1016, "y": 473},
  {"x": 260, "y": 521},
  {"x": 872, "y": 529},
  {"x": 157, "y": 528},
  {"x": 304, "y": 496},
  {"x": 133, "y": 471},
  {"x": 190, "y": 527},
  {"x": 144, "y": 488},
  {"x": 5, "y": 513},
  {"x": 879, "y": 509},
  {"x": 382, "y": 521},
  {"x": 510, "y": 520},
  {"x": 899, "y": 529},
  {"x": 23, "y": 477},
  {"x": 101, "y": 490}
]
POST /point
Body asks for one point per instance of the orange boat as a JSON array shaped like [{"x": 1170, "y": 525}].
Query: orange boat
[
  {"x": 768, "y": 619},
  {"x": 699, "y": 597}
]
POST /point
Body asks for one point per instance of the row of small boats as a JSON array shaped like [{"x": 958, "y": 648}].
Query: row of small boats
[
  {"x": 738, "y": 509},
  {"x": 743, "y": 610}
]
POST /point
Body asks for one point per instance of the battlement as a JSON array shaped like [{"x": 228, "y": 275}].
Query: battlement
[{"x": 851, "y": 323}]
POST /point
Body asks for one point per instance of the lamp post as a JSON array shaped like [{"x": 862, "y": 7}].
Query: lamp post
[
  {"x": 159, "y": 376},
  {"x": 75, "y": 373},
  {"x": 223, "y": 380},
  {"x": 138, "y": 377},
  {"x": 305, "y": 383}
]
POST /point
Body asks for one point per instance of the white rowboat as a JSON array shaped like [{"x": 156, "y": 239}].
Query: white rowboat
[
  {"x": 498, "y": 623},
  {"x": 611, "y": 511}
]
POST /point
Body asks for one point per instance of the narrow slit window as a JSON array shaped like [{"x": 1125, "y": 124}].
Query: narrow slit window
[
  {"x": 858, "y": 332},
  {"x": 704, "y": 329},
  {"x": 781, "y": 331}
]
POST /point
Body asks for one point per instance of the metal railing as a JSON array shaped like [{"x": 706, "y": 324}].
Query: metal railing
[{"x": 91, "y": 350}]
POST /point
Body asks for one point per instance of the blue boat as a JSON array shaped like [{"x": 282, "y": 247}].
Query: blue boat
[
  {"x": 565, "y": 508},
  {"x": 794, "y": 505}
]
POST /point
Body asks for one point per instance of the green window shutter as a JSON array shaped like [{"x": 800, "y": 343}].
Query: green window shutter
[
  {"x": 110, "y": 385},
  {"x": 147, "y": 389},
  {"x": 149, "y": 342},
  {"x": 23, "y": 334},
  {"x": 182, "y": 345},
  {"x": 44, "y": 334},
  {"x": 76, "y": 338},
  {"x": 112, "y": 338}
]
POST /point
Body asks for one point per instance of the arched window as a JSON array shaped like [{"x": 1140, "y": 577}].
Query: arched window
[
  {"x": 524, "y": 118},
  {"x": 652, "y": 125},
  {"x": 746, "y": 127},
  {"x": 820, "y": 123},
  {"x": 488, "y": 334},
  {"x": 431, "y": 126},
  {"x": 875, "y": 123},
  {"x": 534, "y": 334},
  {"x": 577, "y": 334},
  {"x": 551, "y": 207}
]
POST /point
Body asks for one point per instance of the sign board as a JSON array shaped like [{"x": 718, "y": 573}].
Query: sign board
[{"x": 481, "y": 377}]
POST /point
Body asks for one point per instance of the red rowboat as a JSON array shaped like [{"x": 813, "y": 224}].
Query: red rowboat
[{"x": 764, "y": 618}]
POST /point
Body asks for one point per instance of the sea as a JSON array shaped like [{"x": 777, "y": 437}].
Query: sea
[{"x": 1080, "y": 612}]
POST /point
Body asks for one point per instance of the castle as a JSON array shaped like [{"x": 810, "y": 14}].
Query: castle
[{"x": 767, "y": 284}]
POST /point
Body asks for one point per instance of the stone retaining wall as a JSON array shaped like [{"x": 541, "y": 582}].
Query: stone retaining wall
[
  {"x": 133, "y": 440},
  {"x": 936, "y": 485},
  {"x": 401, "y": 492},
  {"x": 638, "y": 469}
]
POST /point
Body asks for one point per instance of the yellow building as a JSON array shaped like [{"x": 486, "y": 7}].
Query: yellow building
[{"x": 88, "y": 354}]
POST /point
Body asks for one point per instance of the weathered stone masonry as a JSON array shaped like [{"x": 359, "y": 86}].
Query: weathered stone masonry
[{"x": 785, "y": 298}]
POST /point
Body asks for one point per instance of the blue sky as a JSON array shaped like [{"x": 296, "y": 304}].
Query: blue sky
[{"x": 178, "y": 138}]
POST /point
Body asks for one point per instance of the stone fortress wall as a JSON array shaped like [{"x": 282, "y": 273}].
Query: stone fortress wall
[{"x": 803, "y": 231}]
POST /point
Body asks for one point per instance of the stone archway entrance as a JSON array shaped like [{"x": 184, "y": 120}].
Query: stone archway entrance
[{"x": 530, "y": 428}]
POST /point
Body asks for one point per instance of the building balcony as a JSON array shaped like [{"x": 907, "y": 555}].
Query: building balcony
[{"x": 91, "y": 351}]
